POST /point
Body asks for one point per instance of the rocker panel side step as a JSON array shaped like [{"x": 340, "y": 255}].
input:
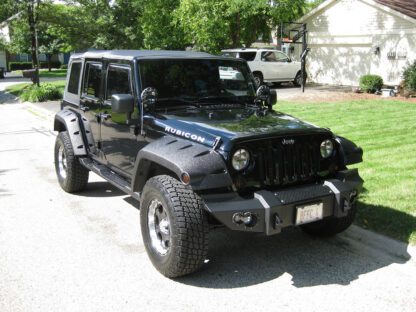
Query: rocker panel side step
[{"x": 109, "y": 176}]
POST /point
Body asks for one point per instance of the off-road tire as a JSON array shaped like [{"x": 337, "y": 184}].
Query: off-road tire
[
  {"x": 331, "y": 226},
  {"x": 258, "y": 79},
  {"x": 76, "y": 178},
  {"x": 188, "y": 225}
]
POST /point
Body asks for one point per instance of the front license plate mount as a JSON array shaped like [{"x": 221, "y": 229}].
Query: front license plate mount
[{"x": 309, "y": 213}]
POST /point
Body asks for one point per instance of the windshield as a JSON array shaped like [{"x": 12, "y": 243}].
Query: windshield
[{"x": 197, "y": 80}]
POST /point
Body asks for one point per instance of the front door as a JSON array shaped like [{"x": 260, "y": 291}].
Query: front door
[{"x": 120, "y": 141}]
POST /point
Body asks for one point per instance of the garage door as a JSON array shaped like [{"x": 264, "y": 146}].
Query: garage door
[{"x": 343, "y": 65}]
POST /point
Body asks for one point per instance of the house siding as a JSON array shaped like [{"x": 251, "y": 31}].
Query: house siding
[{"x": 343, "y": 38}]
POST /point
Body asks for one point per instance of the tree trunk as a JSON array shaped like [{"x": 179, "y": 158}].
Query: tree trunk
[
  {"x": 49, "y": 57},
  {"x": 235, "y": 35},
  {"x": 32, "y": 30}
]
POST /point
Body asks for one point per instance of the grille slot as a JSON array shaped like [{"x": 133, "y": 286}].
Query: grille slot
[{"x": 278, "y": 164}]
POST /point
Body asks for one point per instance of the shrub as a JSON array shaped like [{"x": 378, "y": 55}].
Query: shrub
[
  {"x": 44, "y": 92},
  {"x": 409, "y": 76},
  {"x": 64, "y": 66},
  {"x": 28, "y": 65},
  {"x": 371, "y": 83},
  {"x": 19, "y": 66}
]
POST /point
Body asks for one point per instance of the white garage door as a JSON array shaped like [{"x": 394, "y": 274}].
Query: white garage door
[{"x": 343, "y": 65}]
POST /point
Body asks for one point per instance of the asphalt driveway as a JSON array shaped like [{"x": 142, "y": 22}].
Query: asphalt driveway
[{"x": 84, "y": 252}]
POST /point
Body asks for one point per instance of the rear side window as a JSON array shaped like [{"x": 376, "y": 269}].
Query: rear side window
[
  {"x": 73, "y": 83},
  {"x": 118, "y": 81},
  {"x": 248, "y": 56},
  {"x": 92, "y": 83}
]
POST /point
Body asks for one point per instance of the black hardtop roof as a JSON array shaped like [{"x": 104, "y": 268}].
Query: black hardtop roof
[{"x": 138, "y": 54}]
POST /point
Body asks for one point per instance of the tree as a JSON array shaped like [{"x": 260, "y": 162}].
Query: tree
[
  {"x": 160, "y": 28},
  {"x": 211, "y": 25}
]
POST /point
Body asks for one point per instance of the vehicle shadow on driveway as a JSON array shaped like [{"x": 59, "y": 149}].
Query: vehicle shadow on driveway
[
  {"x": 238, "y": 259},
  {"x": 243, "y": 259}
]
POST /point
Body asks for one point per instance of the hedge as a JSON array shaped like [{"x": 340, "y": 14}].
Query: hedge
[
  {"x": 28, "y": 65},
  {"x": 371, "y": 83}
]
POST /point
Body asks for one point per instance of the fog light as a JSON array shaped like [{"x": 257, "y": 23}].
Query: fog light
[{"x": 246, "y": 218}]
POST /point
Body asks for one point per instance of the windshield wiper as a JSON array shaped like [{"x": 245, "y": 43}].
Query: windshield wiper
[{"x": 178, "y": 103}]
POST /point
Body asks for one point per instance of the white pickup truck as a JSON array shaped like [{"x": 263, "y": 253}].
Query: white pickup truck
[{"x": 269, "y": 65}]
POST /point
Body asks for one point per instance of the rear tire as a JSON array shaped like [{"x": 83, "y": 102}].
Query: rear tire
[
  {"x": 72, "y": 176},
  {"x": 331, "y": 226},
  {"x": 174, "y": 226},
  {"x": 298, "y": 79}
]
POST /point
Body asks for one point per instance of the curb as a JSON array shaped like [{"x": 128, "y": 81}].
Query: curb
[{"x": 372, "y": 241}]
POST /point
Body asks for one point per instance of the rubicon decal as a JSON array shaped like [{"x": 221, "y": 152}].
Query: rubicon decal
[{"x": 184, "y": 134}]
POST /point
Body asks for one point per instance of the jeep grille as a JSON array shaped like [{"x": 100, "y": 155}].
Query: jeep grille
[{"x": 285, "y": 161}]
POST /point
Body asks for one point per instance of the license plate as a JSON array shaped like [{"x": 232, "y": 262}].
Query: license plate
[{"x": 309, "y": 213}]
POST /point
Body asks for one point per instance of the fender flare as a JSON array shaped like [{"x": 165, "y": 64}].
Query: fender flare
[
  {"x": 78, "y": 129},
  {"x": 206, "y": 168},
  {"x": 350, "y": 153}
]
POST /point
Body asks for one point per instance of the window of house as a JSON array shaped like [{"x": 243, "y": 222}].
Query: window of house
[
  {"x": 92, "y": 82},
  {"x": 73, "y": 83},
  {"x": 118, "y": 81}
]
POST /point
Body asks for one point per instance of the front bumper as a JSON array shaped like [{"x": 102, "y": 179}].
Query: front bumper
[{"x": 274, "y": 210}]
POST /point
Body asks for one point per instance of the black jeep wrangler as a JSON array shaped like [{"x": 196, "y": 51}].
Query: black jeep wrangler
[{"x": 188, "y": 135}]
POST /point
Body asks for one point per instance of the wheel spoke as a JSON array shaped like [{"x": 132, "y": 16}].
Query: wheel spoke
[{"x": 159, "y": 227}]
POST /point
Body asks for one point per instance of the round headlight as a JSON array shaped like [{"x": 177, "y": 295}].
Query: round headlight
[
  {"x": 327, "y": 147},
  {"x": 241, "y": 159}
]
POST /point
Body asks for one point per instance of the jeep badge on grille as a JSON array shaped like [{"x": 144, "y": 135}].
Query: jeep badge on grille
[{"x": 288, "y": 141}]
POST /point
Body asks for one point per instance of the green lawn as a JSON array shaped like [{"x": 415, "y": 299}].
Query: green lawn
[{"x": 386, "y": 130}]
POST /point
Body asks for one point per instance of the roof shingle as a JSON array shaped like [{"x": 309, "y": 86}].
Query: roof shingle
[{"x": 406, "y": 7}]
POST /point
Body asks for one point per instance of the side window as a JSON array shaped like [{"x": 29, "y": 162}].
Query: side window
[
  {"x": 73, "y": 83},
  {"x": 248, "y": 56},
  {"x": 281, "y": 57},
  {"x": 118, "y": 81},
  {"x": 92, "y": 82},
  {"x": 268, "y": 56}
]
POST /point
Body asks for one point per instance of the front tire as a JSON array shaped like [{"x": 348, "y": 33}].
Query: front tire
[
  {"x": 331, "y": 226},
  {"x": 174, "y": 226},
  {"x": 72, "y": 176}
]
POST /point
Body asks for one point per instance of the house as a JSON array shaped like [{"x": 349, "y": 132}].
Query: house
[
  {"x": 6, "y": 57},
  {"x": 351, "y": 38}
]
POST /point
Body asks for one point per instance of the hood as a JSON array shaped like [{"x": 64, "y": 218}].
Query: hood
[{"x": 229, "y": 125}]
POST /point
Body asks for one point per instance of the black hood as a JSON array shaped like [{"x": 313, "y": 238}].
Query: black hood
[{"x": 207, "y": 126}]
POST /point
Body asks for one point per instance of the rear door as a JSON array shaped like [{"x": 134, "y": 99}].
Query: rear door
[
  {"x": 119, "y": 140},
  {"x": 91, "y": 93}
]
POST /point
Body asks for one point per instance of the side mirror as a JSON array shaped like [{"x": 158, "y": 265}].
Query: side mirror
[
  {"x": 289, "y": 60},
  {"x": 149, "y": 98},
  {"x": 122, "y": 103}
]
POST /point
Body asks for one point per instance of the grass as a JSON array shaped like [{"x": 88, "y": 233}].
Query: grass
[
  {"x": 44, "y": 73},
  {"x": 385, "y": 129},
  {"x": 19, "y": 89}
]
